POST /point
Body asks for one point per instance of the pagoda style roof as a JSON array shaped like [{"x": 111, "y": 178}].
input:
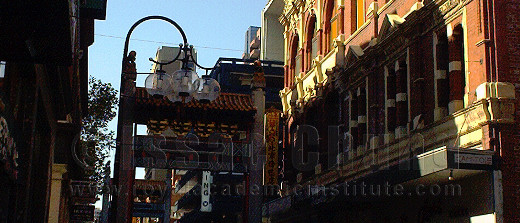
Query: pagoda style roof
[
  {"x": 230, "y": 111},
  {"x": 226, "y": 101}
]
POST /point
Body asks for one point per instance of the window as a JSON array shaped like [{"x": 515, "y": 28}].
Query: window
[
  {"x": 312, "y": 42},
  {"x": 330, "y": 24},
  {"x": 450, "y": 71},
  {"x": 333, "y": 31},
  {"x": 360, "y": 5},
  {"x": 441, "y": 52},
  {"x": 390, "y": 99},
  {"x": 293, "y": 64},
  {"x": 401, "y": 97},
  {"x": 353, "y": 132},
  {"x": 362, "y": 116},
  {"x": 456, "y": 69}
]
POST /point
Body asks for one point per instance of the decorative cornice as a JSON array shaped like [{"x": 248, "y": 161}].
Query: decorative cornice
[
  {"x": 446, "y": 8},
  {"x": 449, "y": 5}
]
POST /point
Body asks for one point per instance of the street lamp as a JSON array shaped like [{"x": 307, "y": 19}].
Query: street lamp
[{"x": 183, "y": 85}]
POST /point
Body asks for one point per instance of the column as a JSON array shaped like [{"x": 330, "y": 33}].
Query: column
[
  {"x": 456, "y": 75},
  {"x": 401, "y": 98},
  {"x": 56, "y": 184},
  {"x": 286, "y": 72},
  {"x": 256, "y": 171},
  {"x": 124, "y": 170},
  {"x": 341, "y": 18}
]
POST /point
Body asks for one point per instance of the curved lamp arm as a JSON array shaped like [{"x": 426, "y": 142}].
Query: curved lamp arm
[
  {"x": 169, "y": 62},
  {"x": 195, "y": 62},
  {"x": 184, "y": 39}
]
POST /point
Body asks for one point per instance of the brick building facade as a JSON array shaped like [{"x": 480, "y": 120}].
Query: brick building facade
[
  {"x": 43, "y": 100},
  {"x": 387, "y": 86}
]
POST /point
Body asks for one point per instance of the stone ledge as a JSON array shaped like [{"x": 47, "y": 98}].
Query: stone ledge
[{"x": 495, "y": 90}]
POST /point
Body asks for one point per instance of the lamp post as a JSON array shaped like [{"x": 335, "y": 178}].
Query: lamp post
[{"x": 181, "y": 86}]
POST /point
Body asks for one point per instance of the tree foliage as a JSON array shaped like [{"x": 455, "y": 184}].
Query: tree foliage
[{"x": 96, "y": 137}]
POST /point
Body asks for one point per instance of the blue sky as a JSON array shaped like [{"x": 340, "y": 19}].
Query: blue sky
[{"x": 207, "y": 23}]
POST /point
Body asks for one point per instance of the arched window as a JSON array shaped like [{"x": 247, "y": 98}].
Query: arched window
[
  {"x": 311, "y": 42},
  {"x": 331, "y": 24},
  {"x": 293, "y": 57}
]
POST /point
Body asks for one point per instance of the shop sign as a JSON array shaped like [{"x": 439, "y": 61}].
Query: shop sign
[
  {"x": 474, "y": 159},
  {"x": 272, "y": 118}
]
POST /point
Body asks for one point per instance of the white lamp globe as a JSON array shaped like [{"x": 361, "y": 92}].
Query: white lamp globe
[
  {"x": 159, "y": 83},
  {"x": 185, "y": 82},
  {"x": 209, "y": 91}
]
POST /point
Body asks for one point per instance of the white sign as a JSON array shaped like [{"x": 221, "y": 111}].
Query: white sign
[
  {"x": 205, "y": 206},
  {"x": 473, "y": 159}
]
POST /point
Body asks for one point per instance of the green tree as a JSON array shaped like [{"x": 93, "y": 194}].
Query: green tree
[{"x": 96, "y": 137}]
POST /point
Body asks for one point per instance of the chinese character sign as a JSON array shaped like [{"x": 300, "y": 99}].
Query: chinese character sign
[{"x": 272, "y": 121}]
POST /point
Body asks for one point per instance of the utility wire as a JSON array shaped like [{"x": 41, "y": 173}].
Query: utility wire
[{"x": 151, "y": 41}]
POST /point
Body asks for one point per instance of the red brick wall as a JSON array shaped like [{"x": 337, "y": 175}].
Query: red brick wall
[
  {"x": 475, "y": 33},
  {"x": 350, "y": 17},
  {"x": 363, "y": 37},
  {"x": 508, "y": 56}
]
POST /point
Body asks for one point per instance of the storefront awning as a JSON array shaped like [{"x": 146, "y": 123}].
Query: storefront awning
[{"x": 435, "y": 166}]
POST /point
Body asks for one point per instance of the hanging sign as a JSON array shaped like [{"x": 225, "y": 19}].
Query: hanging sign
[
  {"x": 205, "y": 205},
  {"x": 272, "y": 122}
]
